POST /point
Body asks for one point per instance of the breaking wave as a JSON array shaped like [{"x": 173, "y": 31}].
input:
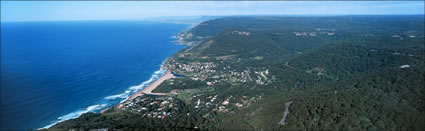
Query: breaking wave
[
  {"x": 110, "y": 100},
  {"x": 77, "y": 113}
]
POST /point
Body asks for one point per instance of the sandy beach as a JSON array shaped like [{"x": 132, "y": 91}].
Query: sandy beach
[{"x": 148, "y": 89}]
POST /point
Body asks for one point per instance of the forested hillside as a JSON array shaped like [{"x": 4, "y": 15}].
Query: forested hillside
[{"x": 340, "y": 72}]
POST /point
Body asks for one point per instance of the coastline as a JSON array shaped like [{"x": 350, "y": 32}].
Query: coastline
[
  {"x": 148, "y": 90},
  {"x": 158, "y": 75},
  {"x": 152, "y": 86},
  {"x": 127, "y": 95}
]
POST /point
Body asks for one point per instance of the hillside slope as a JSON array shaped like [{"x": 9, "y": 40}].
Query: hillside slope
[{"x": 340, "y": 72}]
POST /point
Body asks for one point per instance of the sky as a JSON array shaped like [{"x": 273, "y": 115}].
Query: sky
[{"x": 133, "y": 10}]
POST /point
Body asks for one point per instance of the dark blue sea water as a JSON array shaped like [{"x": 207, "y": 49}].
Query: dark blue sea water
[{"x": 52, "y": 71}]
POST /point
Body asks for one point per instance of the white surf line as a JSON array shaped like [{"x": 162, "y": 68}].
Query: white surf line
[
  {"x": 135, "y": 89},
  {"x": 98, "y": 107},
  {"x": 76, "y": 114}
]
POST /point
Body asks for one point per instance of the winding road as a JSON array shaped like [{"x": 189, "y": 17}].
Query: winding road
[{"x": 282, "y": 122}]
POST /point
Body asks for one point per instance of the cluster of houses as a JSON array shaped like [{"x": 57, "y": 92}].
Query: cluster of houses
[
  {"x": 198, "y": 67},
  {"x": 159, "y": 107},
  {"x": 234, "y": 76},
  {"x": 241, "y": 33},
  {"x": 230, "y": 76},
  {"x": 313, "y": 34},
  {"x": 401, "y": 37},
  {"x": 261, "y": 77},
  {"x": 408, "y": 34},
  {"x": 324, "y": 29},
  {"x": 162, "y": 107},
  {"x": 209, "y": 72},
  {"x": 214, "y": 103},
  {"x": 242, "y": 77}
]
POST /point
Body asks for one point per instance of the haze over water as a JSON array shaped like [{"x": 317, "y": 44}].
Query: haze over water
[{"x": 52, "y": 70}]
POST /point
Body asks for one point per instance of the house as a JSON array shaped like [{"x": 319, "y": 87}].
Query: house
[{"x": 405, "y": 66}]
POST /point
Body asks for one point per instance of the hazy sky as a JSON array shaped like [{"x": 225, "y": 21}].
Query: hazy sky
[{"x": 113, "y": 10}]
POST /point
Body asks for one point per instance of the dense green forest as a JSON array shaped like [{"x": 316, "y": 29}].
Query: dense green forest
[{"x": 340, "y": 72}]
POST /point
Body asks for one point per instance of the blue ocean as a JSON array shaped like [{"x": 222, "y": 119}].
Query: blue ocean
[{"x": 54, "y": 71}]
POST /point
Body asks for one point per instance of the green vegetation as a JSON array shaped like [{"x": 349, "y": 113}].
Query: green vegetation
[
  {"x": 341, "y": 72},
  {"x": 179, "y": 84}
]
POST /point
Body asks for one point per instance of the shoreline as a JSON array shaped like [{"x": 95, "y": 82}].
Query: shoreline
[
  {"x": 145, "y": 91},
  {"x": 148, "y": 89}
]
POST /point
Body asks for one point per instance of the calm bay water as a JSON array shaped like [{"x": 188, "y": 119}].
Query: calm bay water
[{"x": 52, "y": 71}]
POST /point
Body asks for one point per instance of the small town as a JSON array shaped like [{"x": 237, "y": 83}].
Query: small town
[
  {"x": 162, "y": 107},
  {"x": 152, "y": 106},
  {"x": 313, "y": 34},
  {"x": 214, "y": 73}
]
